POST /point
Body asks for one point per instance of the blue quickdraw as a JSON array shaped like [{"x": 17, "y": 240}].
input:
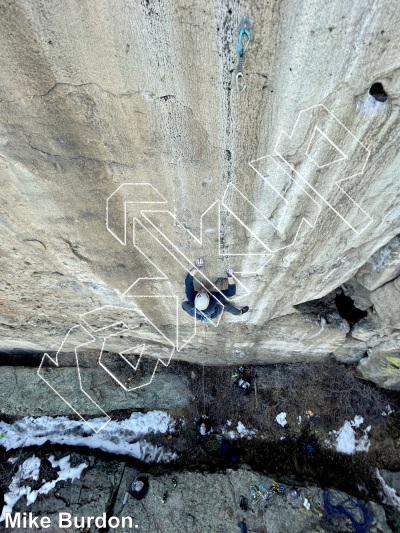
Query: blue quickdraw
[
  {"x": 241, "y": 50},
  {"x": 244, "y": 32}
]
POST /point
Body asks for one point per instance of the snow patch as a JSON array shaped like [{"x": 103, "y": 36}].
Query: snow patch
[
  {"x": 122, "y": 437},
  {"x": 29, "y": 469},
  {"x": 387, "y": 411},
  {"x": 281, "y": 419},
  {"x": 66, "y": 472},
  {"x": 241, "y": 431},
  {"x": 245, "y": 432},
  {"x": 346, "y": 440}
]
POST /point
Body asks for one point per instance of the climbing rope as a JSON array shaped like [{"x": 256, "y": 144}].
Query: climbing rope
[
  {"x": 244, "y": 35},
  {"x": 354, "y": 509}
]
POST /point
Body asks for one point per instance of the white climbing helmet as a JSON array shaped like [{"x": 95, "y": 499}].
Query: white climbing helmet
[{"x": 202, "y": 301}]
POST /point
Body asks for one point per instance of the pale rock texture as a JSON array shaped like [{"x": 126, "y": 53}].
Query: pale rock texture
[
  {"x": 386, "y": 302},
  {"x": 380, "y": 339},
  {"x": 369, "y": 327},
  {"x": 23, "y": 394},
  {"x": 382, "y": 366},
  {"x": 360, "y": 295},
  {"x": 97, "y": 95},
  {"x": 351, "y": 351},
  {"x": 201, "y": 501},
  {"x": 382, "y": 267}
]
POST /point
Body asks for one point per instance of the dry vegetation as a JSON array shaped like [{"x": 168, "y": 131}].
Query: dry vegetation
[{"x": 332, "y": 390}]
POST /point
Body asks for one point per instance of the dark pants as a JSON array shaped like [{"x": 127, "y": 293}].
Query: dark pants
[{"x": 230, "y": 308}]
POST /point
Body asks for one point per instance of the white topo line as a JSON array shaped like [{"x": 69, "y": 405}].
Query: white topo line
[{"x": 151, "y": 196}]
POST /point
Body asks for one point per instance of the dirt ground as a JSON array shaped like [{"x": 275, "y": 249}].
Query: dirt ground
[{"x": 324, "y": 395}]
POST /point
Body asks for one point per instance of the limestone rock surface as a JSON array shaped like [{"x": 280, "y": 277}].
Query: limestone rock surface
[
  {"x": 369, "y": 328},
  {"x": 386, "y": 302},
  {"x": 382, "y": 267},
  {"x": 93, "y": 99},
  {"x": 23, "y": 393},
  {"x": 359, "y": 294},
  {"x": 200, "y": 502},
  {"x": 382, "y": 364},
  {"x": 351, "y": 351}
]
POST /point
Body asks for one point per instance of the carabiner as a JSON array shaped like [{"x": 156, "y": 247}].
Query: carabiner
[
  {"x": 243, "y": 32},
  {"x": 240, "y": 83}
]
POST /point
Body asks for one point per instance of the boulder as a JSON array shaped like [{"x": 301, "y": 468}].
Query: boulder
[
  {"x": 393, "y": 480},
  {"x": 386, "y": 301},
  {"x": 390, "y": 495},
  {"x": 382, "y": 267},
  {"x": 369, "y": 327},
  {"x": 359, "y": 294},
  {"x": 382, "y": 365},
  {"x": 351, "y": 351}
]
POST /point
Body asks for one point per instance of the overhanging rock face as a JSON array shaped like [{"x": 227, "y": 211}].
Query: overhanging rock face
[{"x": 138, "y": 105}]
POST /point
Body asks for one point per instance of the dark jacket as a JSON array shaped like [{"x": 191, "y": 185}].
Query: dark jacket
[
  {"x": 203, "y": 420},
  {"x": 216, "y": 304},
  {"x": 243, "y": 527}
]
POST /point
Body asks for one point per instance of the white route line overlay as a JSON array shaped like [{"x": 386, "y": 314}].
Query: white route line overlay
[
  {"x": 136, "y": 185},
  {"x": 276, "y": 227},
  {"x": 122, "y": 323},
  {"x": 163, "y": 277},
  {"x": 187, "y": 260},
  {"x": 200, "y": 241},
  {"x": 134, "y": 367},
  {"x": 56, "y": 363},
  {"x": 322, "y": 166}
]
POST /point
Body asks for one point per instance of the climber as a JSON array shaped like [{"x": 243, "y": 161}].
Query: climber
[
  {"x": 203, "y": 425},
  {"x": 206, "y": 305},
  {"x": 239, "y": 379}
]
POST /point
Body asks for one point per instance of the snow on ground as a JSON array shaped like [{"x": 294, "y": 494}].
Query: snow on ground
[
  {"x": 29, "y": 469},
  {"x": 389, "y": 494},
  {"x": 346, "y": 440},
  {"x": 66, "y": 472},
  {"x": 122, "y": 437},
  {"x": 245, "y": 432},
  {"x": 281, "y": 419},
  {"x": 387, "y": 411},
  {"x": 241, "y": 431}
]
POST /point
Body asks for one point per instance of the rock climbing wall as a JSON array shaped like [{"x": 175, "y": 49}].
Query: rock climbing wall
[{"x": 125, "y": 147}]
